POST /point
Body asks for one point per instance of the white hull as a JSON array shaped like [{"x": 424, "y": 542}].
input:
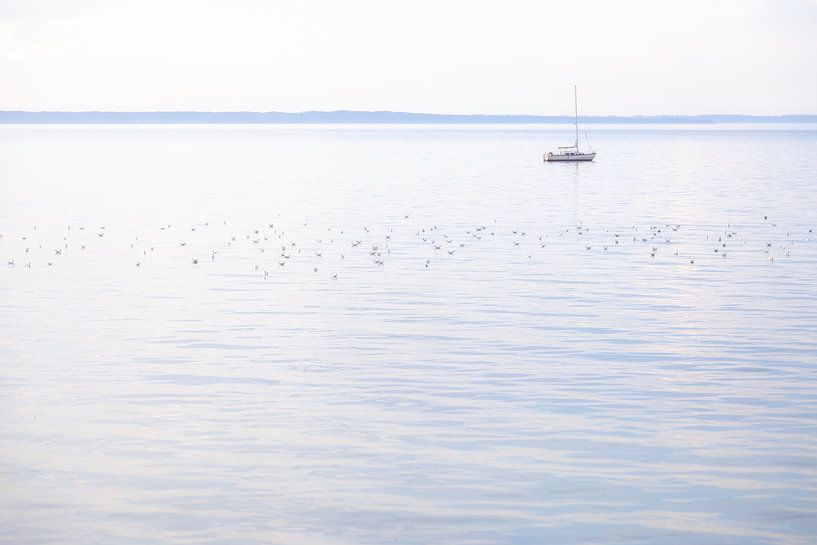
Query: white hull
[{"x": 551, "y": 157}]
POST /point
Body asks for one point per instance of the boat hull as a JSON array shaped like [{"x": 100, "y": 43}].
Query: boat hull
[{"x": 569, "y": 157}]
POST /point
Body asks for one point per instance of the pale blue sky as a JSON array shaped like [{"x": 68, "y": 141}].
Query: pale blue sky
[{"x": 513, "y": 56}]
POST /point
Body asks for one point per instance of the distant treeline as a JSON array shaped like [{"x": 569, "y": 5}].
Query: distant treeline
[{"x": 371, "y": 117}]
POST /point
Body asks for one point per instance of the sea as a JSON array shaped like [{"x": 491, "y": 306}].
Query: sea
[{"x": 408, "y": 334}]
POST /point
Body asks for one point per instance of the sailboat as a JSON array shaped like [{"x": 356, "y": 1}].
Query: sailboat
[{"x": 571, "y": 153}]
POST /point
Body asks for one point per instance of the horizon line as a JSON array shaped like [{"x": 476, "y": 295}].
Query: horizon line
[{"x": 367, "y": 116}]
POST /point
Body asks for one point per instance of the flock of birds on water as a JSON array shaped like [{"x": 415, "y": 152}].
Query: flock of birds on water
[{"x": 275, "y": 248}]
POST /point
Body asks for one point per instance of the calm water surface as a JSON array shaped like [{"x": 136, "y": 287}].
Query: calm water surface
[{"x": 407, "y": 334}]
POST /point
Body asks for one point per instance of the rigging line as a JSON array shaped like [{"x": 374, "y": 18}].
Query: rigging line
[{"x": 589, "y": 145}]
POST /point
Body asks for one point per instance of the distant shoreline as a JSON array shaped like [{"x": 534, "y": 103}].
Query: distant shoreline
[{"x": 344, "y": 116}]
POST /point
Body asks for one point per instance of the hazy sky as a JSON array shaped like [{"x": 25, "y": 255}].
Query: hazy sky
[{"x": 508, "y": 56}]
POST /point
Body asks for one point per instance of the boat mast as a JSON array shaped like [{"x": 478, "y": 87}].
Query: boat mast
[{"x": 576, "y": 106}]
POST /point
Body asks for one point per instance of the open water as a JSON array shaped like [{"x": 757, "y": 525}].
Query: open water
[{"x": 407, "y": 334}]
